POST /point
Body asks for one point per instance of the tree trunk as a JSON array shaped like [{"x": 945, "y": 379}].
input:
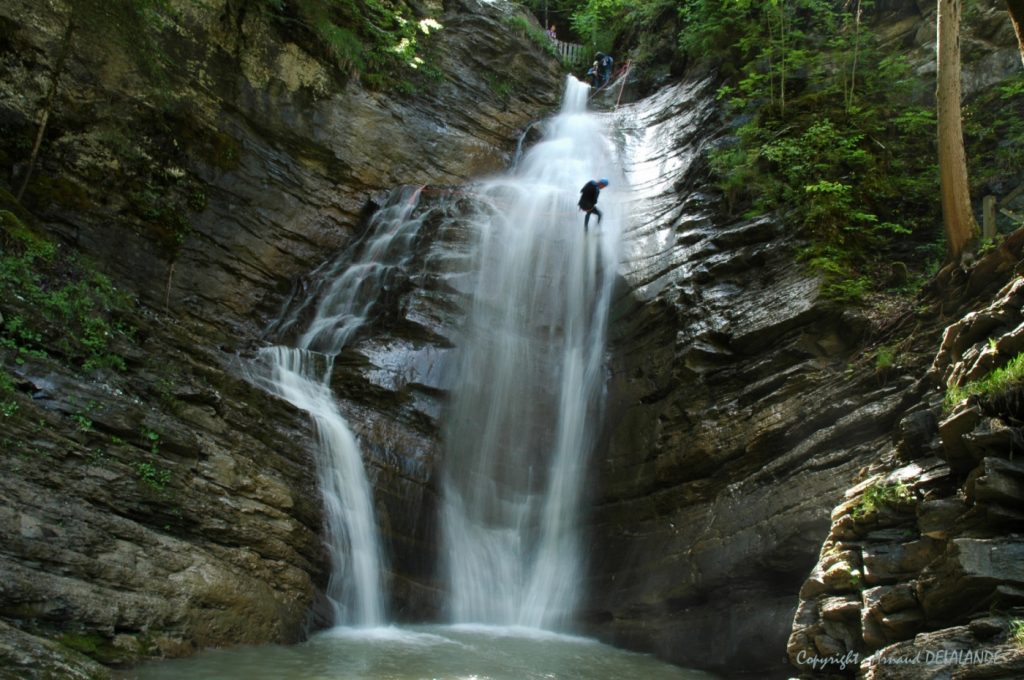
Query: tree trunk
[
  {"x": 856, "y": 53},
  {"x": 1016, "y": 8},
  {"x": 961, "y": 229},
  {"x": 58, "y": 69}
]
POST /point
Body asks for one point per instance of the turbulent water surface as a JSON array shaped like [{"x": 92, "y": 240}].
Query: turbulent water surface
[{"x": 423, "y": 653}]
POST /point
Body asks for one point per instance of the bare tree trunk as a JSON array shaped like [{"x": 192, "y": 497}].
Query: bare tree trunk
[
  {"x": 58, "y": 68},
  {"x": 1016, "y": 8},
  {"x": 961, "y": 229},
  {"x": 771, "y": 65},
  {"x": 782, "y": 75},
  {"x": 856, "y": 53}
]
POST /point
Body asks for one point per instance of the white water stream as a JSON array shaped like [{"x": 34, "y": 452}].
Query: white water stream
[
  {"x": 526, "y": 398},
  {"x": 348, "y": 290}
]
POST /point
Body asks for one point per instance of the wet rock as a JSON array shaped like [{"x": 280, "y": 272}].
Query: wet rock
[
  {"x": 992, "y": 437},
  {"x": 969, "y": 573},
  {"x": 175, "y": 506},
  {"x": 952, "y": 430},
  {"x": 966, "y": 559},
  {"x": 889, "y": 562},
  {"x": 840, "y": 608},
  {"x": 937, "y": 518},
  {"x": 998, "y": 481},
  {"x": 915, "y": 433},
  {"x": 941, "y": 654},
  {"x": 903, "y": 624},
  {"x": 827, "y": 645},
  {"x": 27, "y": 657},
  {"x": 890, "y": 599}
]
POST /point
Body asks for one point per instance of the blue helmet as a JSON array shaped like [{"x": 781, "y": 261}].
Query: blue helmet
[{"x": 603, "y": 182}]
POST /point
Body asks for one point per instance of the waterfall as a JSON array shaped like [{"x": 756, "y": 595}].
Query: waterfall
[
  {"x": 525, "y": 389},
  {"x": 527, "y": 393},
  {"x": 345, "y": 293}
]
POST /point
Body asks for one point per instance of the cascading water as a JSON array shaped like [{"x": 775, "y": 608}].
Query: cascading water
[
  {"x": 522, "y": 419},
  {"x": 347, "y": 291}
]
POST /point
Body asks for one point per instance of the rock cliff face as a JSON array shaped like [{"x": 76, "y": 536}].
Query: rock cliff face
[
  {"x": 729, "y": 383},
  {"x": 173, "y": 506}
]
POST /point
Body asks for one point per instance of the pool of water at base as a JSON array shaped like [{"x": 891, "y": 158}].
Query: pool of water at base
[{"x": 460, "y": 652}]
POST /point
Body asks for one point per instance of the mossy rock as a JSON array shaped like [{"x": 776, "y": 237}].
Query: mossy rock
[
  {"x": 44, "y": 190},
  {"x": 213, "y": 147},
  {"x": 15, "y": 233},
  {"x": 10, "y": 204}
]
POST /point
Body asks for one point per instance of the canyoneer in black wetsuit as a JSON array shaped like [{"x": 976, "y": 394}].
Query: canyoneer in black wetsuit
[{"x": 588, "y": 199}]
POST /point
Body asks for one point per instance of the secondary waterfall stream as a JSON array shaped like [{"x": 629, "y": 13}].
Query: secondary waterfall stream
[
  {"x": 345, "y": 293},
  {"x": 525, "y": 405}
]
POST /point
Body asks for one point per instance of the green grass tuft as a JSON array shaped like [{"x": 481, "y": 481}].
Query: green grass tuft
[{"x": 999, "y": 381}]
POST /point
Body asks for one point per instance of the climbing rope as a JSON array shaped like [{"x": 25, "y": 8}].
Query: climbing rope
[{"x": 623, "y": 77}]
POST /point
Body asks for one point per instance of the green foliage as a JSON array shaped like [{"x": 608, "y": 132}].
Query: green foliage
[
  {"x": 604, "y": 24},
  {"x": 95, "y": 646},
  {"x": 87, "y": 644},
  {"x": 377, "y": 40},
  {"x": 132, "y": 28},
  {"x": 151, "y": 476},
  {"x": 8, "y": 404},
  {"x": 877, "y": 496},
  {"x": 536, "y": 35},
  {"x": 829, "y": 138},
  {"x": 599, "y": 21},
  {"x": 1017, "y": 632},
  {"x": 152, "y": 438},
  {"x": 994, "y": 131},
  {"x": 84, "y": 423},
  {"x": 161, "y": 209},
  {"x": 998, "y": 382},
  {"x": 54, "y": 304},
  {"x": 842, "y": 282},
  {"x": 885, "y": 358},
  {"x": 501, "y": 87}
]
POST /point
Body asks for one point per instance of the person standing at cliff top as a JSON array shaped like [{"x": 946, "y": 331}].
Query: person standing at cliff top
[{"x": 588, "y": 199}]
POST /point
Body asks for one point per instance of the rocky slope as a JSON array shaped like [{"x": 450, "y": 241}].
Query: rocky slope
[{"x": 920, "y": 573}]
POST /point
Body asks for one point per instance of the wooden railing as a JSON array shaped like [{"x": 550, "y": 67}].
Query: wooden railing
[
  {"x": 572, "y": 53},
  {"x": 990, "y": 204}
]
